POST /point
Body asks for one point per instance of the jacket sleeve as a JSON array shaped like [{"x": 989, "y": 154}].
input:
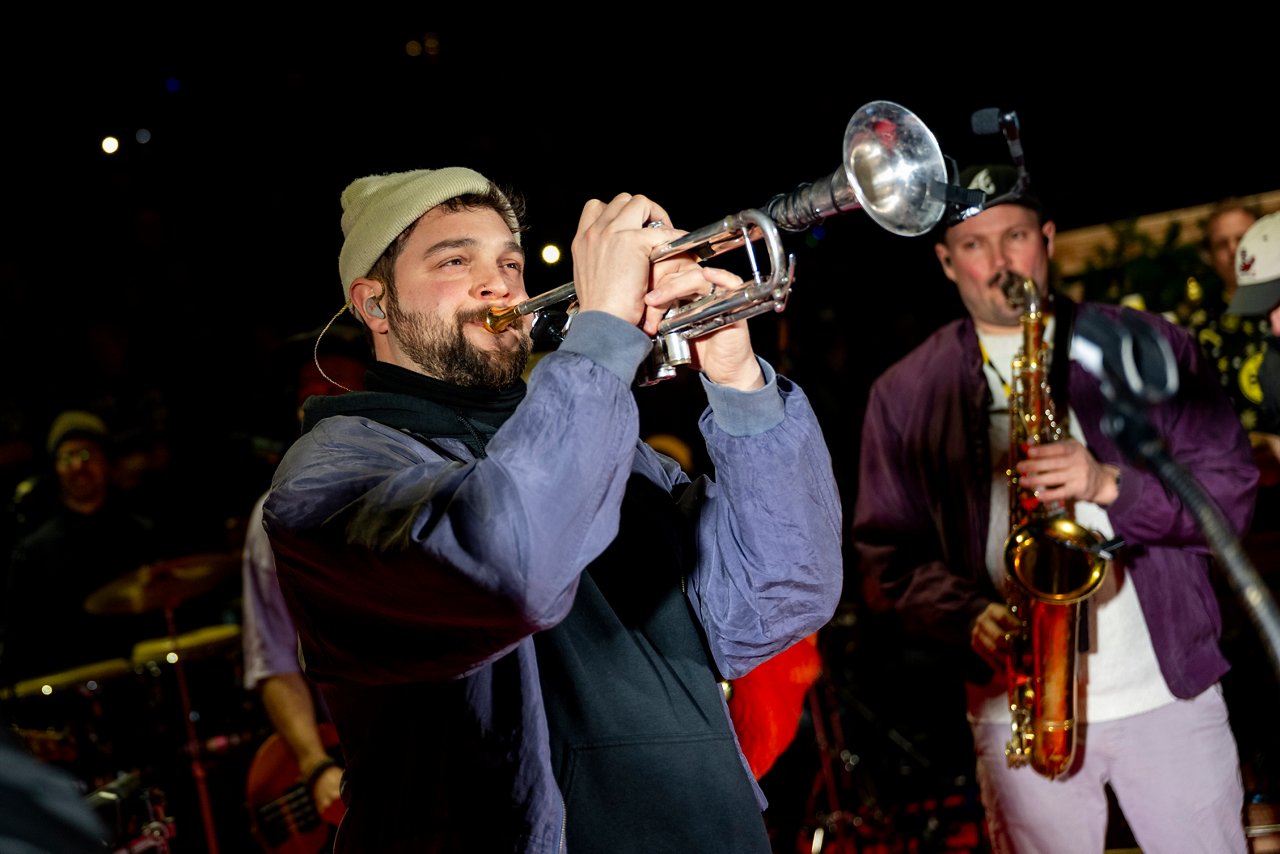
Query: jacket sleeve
[
  {"x": 269, "y": 642},
  {"x": 898, "y": 526},
  {"x": 769, "y": 568}
]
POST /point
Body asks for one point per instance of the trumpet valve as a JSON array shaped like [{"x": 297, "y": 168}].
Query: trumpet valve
[
  {"x": 675, "y": 349},
  {"x": 667, "y": 352}
]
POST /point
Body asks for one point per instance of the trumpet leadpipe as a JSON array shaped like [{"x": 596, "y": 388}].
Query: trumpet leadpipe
[
  {"x": 498, "y": 318},
  {"x": 707, "y": 242}
]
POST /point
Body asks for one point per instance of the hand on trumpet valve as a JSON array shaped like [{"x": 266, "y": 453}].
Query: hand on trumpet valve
[
  {"x": 725, "y": 354},
  {"x": 612, "y": 269},
  {"x": 680, "y": 280}
]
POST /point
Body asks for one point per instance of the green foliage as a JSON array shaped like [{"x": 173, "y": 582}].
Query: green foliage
[{"x": 1166, "y": 274}]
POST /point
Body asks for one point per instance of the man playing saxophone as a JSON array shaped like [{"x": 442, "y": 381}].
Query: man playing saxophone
[{"x": 933, "y": 514}]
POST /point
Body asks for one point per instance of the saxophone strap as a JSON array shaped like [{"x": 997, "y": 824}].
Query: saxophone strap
[
  {"x": 1059, "y": 369},
  {"x": 986, "y": 360},
  {"x": 1064, "y": 321}
]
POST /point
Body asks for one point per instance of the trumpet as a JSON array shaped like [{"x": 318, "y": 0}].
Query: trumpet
[{"x": 892, "y": 168}]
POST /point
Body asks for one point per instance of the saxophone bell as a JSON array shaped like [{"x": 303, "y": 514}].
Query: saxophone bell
[{"x": 1054, "y": 559}]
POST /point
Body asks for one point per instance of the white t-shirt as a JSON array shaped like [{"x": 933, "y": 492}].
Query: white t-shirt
[{"x": 1118, "y": 675}]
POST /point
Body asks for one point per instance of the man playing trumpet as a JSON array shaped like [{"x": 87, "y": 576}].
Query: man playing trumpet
[{"x": 518, "y": 612}]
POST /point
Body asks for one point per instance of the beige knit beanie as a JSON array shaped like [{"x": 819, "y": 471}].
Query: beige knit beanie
[
  {"x": 75, "y": 423},
  {"x": 376, "y": 208}
]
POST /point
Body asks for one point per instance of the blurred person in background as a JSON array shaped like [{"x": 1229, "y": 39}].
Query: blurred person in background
[{"x": 307, "y": 751}]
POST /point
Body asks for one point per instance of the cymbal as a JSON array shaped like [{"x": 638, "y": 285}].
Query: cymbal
[
  {"x": 163, "y": 584},
  {"x": 191, "y": 644},
  {"x": 85, "y": 674}
]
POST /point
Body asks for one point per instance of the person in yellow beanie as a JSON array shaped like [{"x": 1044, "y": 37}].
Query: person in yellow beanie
[
  {"x": 90, "y": 537},
  {"x": 517, "y": 611}
]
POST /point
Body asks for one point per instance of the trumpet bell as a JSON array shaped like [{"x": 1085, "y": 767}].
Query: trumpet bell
[
  {"x": 892, "y": 168},
  {"x": 892, "y": 162}
]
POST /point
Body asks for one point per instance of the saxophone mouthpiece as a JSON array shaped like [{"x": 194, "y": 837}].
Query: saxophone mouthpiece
[{"x": 1018, "y": 290}]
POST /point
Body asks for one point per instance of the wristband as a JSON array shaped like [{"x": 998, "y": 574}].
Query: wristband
[{"x": 324, "y": 765}]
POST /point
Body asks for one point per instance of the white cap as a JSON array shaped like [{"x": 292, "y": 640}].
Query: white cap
[{"x": 1258, "y": 268}]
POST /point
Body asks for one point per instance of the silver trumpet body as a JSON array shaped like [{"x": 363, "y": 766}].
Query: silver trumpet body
[{"x": 892, "y": 167}]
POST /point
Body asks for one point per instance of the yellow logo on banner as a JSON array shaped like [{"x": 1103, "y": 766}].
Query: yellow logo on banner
[{"x": 1249, "y": 377}]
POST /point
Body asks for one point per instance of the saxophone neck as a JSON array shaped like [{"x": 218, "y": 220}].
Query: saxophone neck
[{"x": 1024, "y": 295}]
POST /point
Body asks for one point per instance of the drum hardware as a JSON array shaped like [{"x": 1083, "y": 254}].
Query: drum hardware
[
  {"x": 154, "y": 659},
  {"x": 189, "y": 645},
  {"x": 832, "y": 829},
  {"x": 61, "y": 716},
  {"x": 87, "y": 677},
  {"x": 134, "y": 814},
  {"x": 164, "y": 585},
  {"x": 198, "y": 773}
]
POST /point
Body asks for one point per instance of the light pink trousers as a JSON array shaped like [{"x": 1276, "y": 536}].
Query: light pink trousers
[{"x": 1175, "y": 772}]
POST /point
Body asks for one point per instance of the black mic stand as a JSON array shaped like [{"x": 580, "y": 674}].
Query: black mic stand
[{"x": 1126, "y": 422}]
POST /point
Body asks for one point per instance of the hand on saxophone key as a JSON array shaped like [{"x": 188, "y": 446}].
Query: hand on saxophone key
[
  {"x": 992, "y": 632},
  {"x": 1066, "y": 471}
]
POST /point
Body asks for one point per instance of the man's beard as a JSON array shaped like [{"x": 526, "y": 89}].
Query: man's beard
[{"x": 442, "y": 351}]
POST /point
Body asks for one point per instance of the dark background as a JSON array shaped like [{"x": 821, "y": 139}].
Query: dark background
[
  {"x": 174, "y": 269},
  {"x": 161, "y": 284}
]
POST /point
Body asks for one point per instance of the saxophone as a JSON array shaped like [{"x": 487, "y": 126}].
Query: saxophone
[{"x": 1053, "y": 563}]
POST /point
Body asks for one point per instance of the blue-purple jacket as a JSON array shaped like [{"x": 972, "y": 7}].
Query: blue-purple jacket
[{"x": 418, "y": 575}]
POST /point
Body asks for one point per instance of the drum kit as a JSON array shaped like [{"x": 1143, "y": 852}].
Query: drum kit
[{"x": 112, "y": 723}]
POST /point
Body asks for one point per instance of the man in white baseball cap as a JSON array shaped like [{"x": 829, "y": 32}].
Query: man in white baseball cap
[
  {"x": 1258, "y": 271},
  {"x": 1258, "y": 293}
]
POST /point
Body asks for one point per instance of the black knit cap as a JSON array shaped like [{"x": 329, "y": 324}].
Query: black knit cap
[{"x": 995, "y": 184}]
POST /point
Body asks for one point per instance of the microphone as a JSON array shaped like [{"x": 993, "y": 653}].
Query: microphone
[
  {"x": 1127, "y": 355},
  {"x": 1134, "y": 365},
  {"x": 993, "y": 120}
]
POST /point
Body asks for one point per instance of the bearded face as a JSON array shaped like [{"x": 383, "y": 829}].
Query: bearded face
[{"x": 440, "y": 347}]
